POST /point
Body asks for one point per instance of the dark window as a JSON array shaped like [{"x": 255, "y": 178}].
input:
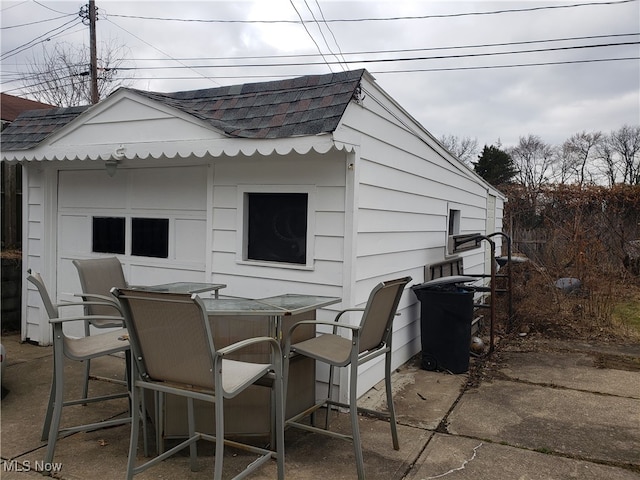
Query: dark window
[
  {"x": 108, "y": 235},
  {"x": 454, "y": 222},
  {"x": 150, "y": 237},
  {"x": 277, "y": 227}
]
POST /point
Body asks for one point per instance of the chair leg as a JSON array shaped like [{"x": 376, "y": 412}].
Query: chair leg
[
  {"x": 85, "y": 380},
  {"x": 193, "y": 452},
  {"x": 278, "y": 385},
  {"x": 390, "y": 406},
  {"x": 329, "y": 395},
  {"x": 87, "y": 367},
  {"x": 159, "y": 399},
  {"x": 353, "y": 412},
  {"x": 135, "y": 426},
  {"x": 143, "y": 413},
  {"x": 58, "y": 369},
  {"x": 46, "y": 427},
  {"x": 219, "y": 455}
]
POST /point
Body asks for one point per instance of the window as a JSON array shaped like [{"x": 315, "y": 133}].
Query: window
[
  {"x": 150, "y": 237},
  {"x": 276, "y": 227},
  {"x": 453, "y": 228},
  {"x": 108, "y": 235},
  {"x": 454, "y": 222}
]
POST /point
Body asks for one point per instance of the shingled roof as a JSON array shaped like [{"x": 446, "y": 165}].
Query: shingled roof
[
  {"x": 308, "y": 105},
  {"x": 33, "y": 126}
]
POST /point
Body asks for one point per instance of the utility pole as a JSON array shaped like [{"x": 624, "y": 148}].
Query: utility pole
[{"x": 94, "y": 56}]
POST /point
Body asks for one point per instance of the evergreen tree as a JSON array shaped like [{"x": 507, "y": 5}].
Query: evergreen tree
[{"x": 495, "y": 166}]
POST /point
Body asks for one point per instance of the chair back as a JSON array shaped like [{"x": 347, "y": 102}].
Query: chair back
[
  {"x": 49, "y": 306},
  {"x": 170, "y": 336},
  {"x": 98, "y": 276},
  {"x": 378, "y": 315}
]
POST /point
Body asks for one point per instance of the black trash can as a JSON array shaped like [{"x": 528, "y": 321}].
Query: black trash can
[{"x": 445, "y": 323}]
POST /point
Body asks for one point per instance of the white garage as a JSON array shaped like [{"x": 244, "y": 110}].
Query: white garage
[{"x": 319, "y": 185}]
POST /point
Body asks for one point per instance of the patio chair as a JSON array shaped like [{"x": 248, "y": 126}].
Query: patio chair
[
  {"x": 97, "y": 277},
  {"x": 174, "y": 352},
  {"x": 79, "y": 349},
  {"x": 370, "y": 339}
]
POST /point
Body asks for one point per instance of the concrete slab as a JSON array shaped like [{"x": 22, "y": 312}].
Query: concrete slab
[
  {"x": 587, "y": 425},
  {"x": 454, "y": 458},
  {"x": 549, "y": 413},
  {"x": 578, "y": 371},
  {"x": 23, "y": 409},
  {"x": 422, "y": 398}
]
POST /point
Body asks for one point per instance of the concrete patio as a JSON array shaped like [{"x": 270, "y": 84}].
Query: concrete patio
[{"x": 546, "y": 409}]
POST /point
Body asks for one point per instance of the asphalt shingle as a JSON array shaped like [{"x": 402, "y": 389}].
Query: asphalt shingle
[{"x": 308, "y": 105}]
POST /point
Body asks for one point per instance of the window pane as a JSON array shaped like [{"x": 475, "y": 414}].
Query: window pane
[
  {"x": 150, "y": 237},
  {"x": 108, "y": 235},
  {"x": 277, "y": 227}
]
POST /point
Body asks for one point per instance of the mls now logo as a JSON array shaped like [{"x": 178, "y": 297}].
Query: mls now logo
[{"x": 27, "y": 466}]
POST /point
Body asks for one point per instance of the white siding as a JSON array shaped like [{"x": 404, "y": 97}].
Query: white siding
[
  {"x": 35, "y": 326},
  {"x": 324, "y": 176},
  {"x": 407, "y": 184}
]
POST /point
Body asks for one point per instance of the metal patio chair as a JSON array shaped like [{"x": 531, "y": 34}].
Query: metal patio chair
[
  {"x": 370, "y": 339},
  {"x": 97, "y": 277},
  {"x": 78, "y": 349},
  {"x": 173, "y": 350}
]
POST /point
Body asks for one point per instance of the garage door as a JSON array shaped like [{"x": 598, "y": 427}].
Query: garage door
[{"x": 152, "y": 219}]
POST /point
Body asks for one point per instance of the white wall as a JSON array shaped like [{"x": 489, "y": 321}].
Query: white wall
[
  {"x": 407, "y": 184},
  {"x": 323, "y": 176}
]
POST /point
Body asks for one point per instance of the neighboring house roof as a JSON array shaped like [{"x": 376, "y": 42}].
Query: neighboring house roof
[
  {"x": 12, "y": 106},
  {"x": 302, "y": 106}
]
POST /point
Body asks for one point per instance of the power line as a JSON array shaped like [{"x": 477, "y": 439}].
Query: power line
[
  {"x": 381, "y": 72},
  {"x": 33, "y": 42},
  {"x": 487, "y": 67},
  {"x": 405, "y": 50},
  {"x": 379, "y": 19},
  {"x": 310, "y": 36},
  {"x": 390, "y": 60},
  {"x": 155, "y": 48},
  {"x": 324, "y": 38},
  {"x": 34, "y": 23},
  {"x": 335, "y": 40},
  {"x": 52, "y": 9}
]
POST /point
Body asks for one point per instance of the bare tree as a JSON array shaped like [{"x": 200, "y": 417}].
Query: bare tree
[
  {"x": 625, "y": 142},
  {"x": 466, "y": 149},
  {"x": 606, "y": 161},
  {"x": 533, "y": 160},
  {"x": 577, "y": 154},
  {"x": 62, "y": 75}
]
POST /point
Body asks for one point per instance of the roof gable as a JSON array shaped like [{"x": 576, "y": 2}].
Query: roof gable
[
  {"x": 131, "y": 119},
  {"x": 303, "y": 106},
  {"x": 307, "y": 105}
]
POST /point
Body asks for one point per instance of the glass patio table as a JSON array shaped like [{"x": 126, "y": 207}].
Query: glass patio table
[
  {"x": 233, "y": 319},
  {"x": 275, "y": 308}
]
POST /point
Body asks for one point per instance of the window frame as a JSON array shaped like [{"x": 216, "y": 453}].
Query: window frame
[
  {"x": 453, "y": 225},
  {"x": 243, "y": 224}
]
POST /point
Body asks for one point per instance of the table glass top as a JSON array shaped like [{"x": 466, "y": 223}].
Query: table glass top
[
  {"x": 292, "y": 302},
  {"x": 181, "y": 287},
  {"x": 288, "y": 304},
  {"x": 238, "y": 306}
]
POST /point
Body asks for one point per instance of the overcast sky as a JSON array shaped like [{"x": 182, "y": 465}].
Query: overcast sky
[{"x": 463, "y": 94}]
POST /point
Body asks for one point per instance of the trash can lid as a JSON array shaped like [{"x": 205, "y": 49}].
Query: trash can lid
[{"x": 442, "y": 281}]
